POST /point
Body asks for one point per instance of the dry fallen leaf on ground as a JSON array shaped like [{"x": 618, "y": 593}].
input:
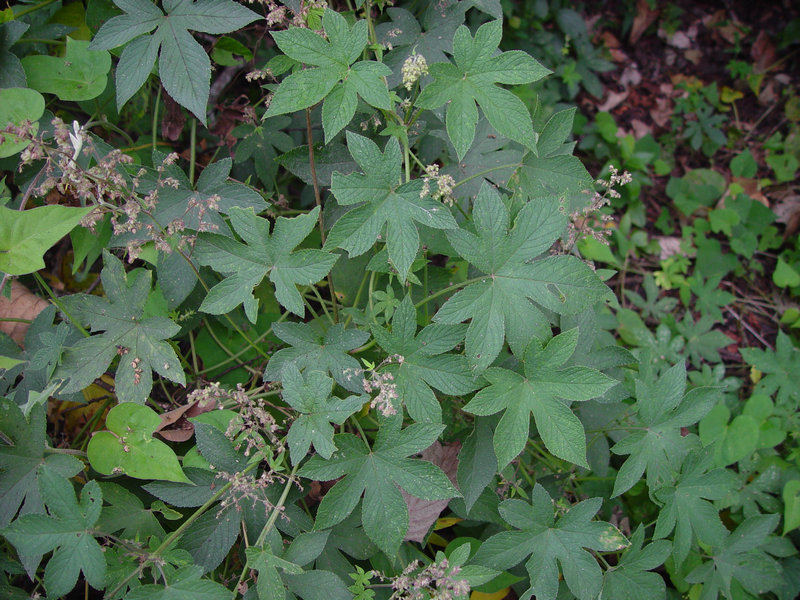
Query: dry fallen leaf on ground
[{"x": 23, "y": 305}]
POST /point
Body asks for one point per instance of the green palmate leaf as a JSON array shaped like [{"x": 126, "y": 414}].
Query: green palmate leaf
[
  {"x": 472, "y": 79},
  {"x": 499, "y": 304},
  {"x": 313, "y": 350},
  {"x": 421, "y": 363},
  {"x": 269, "y": 585},
  {"x": 551, "y": 544},
  {"x": 488, "y": 159},
  {"x": 335, "y": 76},
  {"x": 311, "y": 396},
  {"x": 128, "y": 447},
  {"x": 183, "y": 584},
  {"x": 138, "y": 341},
  {"x": 23, "y": 460},
  {"x": 659, "y": 447},
  {"x": 539, "y": 393},
  {"x": 477, "y": 463},
  {"x": 262, "y": 254},
  {"x": 18, "y": 105},
  {"x": 184, "y": 67},
  {"x": 631, "y": 578},
  {"x": 263, "y": 143},
  {"x": 561, "y": 176},
  {"x": 382, "y": 200},
  {"x": 25, "y": 235},
  {"x": 376, "y": 473},
  {"x": 124, "y": 512},
  {"x": 780, "y": 368},
  {"x": 79, "y": 75},
  {"x": 68, "y": 531},
  {"x": 739, "y": 557},
  {"x": 687, "y": 509}
]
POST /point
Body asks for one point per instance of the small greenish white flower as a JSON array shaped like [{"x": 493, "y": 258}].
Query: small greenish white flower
[{"x": 414, "y": 67}]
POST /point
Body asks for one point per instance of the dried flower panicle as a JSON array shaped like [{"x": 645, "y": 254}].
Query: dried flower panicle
[
  {"x": 445, "y": 184},
  {"x": 589, "y": 221},
  {"x": 437, "y": 581}
]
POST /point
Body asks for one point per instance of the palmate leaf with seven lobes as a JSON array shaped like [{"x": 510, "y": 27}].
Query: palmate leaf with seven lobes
[
  {"x": 472, "y": 79},
  {"x": 334, "y": 77},
  {"x": 138, "y": 341},
  {"x": 424, "y": 362},
  {"x": 659, "y": 446},
  {"x": 383, "y": 200},
  {"x": 536, "y": 533},
  {"x": 499, "y": 304},
  {"x": 377, "y": 472},
  {"x": 184, "y": 66},
  {"x": 262, "y": 254},
  {"x": 539, "y": 392}
]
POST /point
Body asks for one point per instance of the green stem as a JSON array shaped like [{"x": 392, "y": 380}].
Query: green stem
[
  {"x": 361, "y": 432},
  {"x": 449, "y": 289},
  {"x": 322, "y": 303},
  {"x": 357, "y": 298},
  {"x": 236, "y": 355},
  {"x": 155, "y": 119},
  {"x": 33, "y": 8},
  {"x": 192, "y": 150},
  {"x": 59, "y": 304},
  {"x": 171, "y": 538},
  {"x": 225, "y": 348},
  {"x": 269, "y": 525},
  {"x": 486, "y": 172}
]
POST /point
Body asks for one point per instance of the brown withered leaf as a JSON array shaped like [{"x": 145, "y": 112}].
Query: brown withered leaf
[
  {"x": 175, "y": 426},
  {"x": 763, "y": 52},
  {"x": 645, "y": 16},
  {"x": 423, "y": 513},
  {"x": 614, "y": 99}
]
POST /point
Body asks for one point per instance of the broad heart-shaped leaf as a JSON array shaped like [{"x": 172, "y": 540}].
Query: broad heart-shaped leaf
[
  {"x": 245, "y": 265},
  {"x": 687, "y": 509},
  {"x": 539, "y": 392},
  {"x": 780, "y": 368},
  {"x": 313, "y": 350},
  {"x": 78, "y": 75},
  {"x": 631, "y": 578},
  {"x": 472, "y": 79},
  {"x": 377, "y": 472},
  {"x": 499, "y": 304},
  {"x": 382, "y": 199},
  {"x": 23, "y": 460},
  {"x": 138, "y": 341},
  {"x": 740, "y": 558},
  {"x": 658, "y": 446},
  {"x": 183, "y": 584},
  {"x": 311, "y": 397},
  {"x": 68, "y": 531},
  {"x": 334, "y": 77},
  {"x": 25, "y": 235},
  {"x": 423, "y": 363},
  {"x": 128, "y": 447},
  {"x": 547, "y": 542},
  {"x": 184, "y": 67}
]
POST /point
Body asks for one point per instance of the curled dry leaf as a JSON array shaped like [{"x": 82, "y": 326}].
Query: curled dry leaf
[
  {"x": 614, "y": 99},
  {"x": 669, "y": 245},
  {"x": 23, "y": 305},
  {"x": 175, "y": 426},
  {"x": 423, "y": 513},
  {"x": 645, "y": 16}
]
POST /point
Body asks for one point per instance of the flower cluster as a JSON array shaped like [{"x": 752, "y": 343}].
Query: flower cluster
[
  {"x": 414, "y": 67},
  {"x": 589, "y": 221},
  {"x": 444, "y": 185},
  {"x": 437, "y": 581}
]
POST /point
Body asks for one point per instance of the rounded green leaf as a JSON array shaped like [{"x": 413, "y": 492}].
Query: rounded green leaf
[
  {"x": 129, "y": 448},
  {"x": 79, "y": 75},
  {"x": 18, "y": 105}
]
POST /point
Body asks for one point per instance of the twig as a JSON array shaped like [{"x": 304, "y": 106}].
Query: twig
[{"x": 750, "y": 329}]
